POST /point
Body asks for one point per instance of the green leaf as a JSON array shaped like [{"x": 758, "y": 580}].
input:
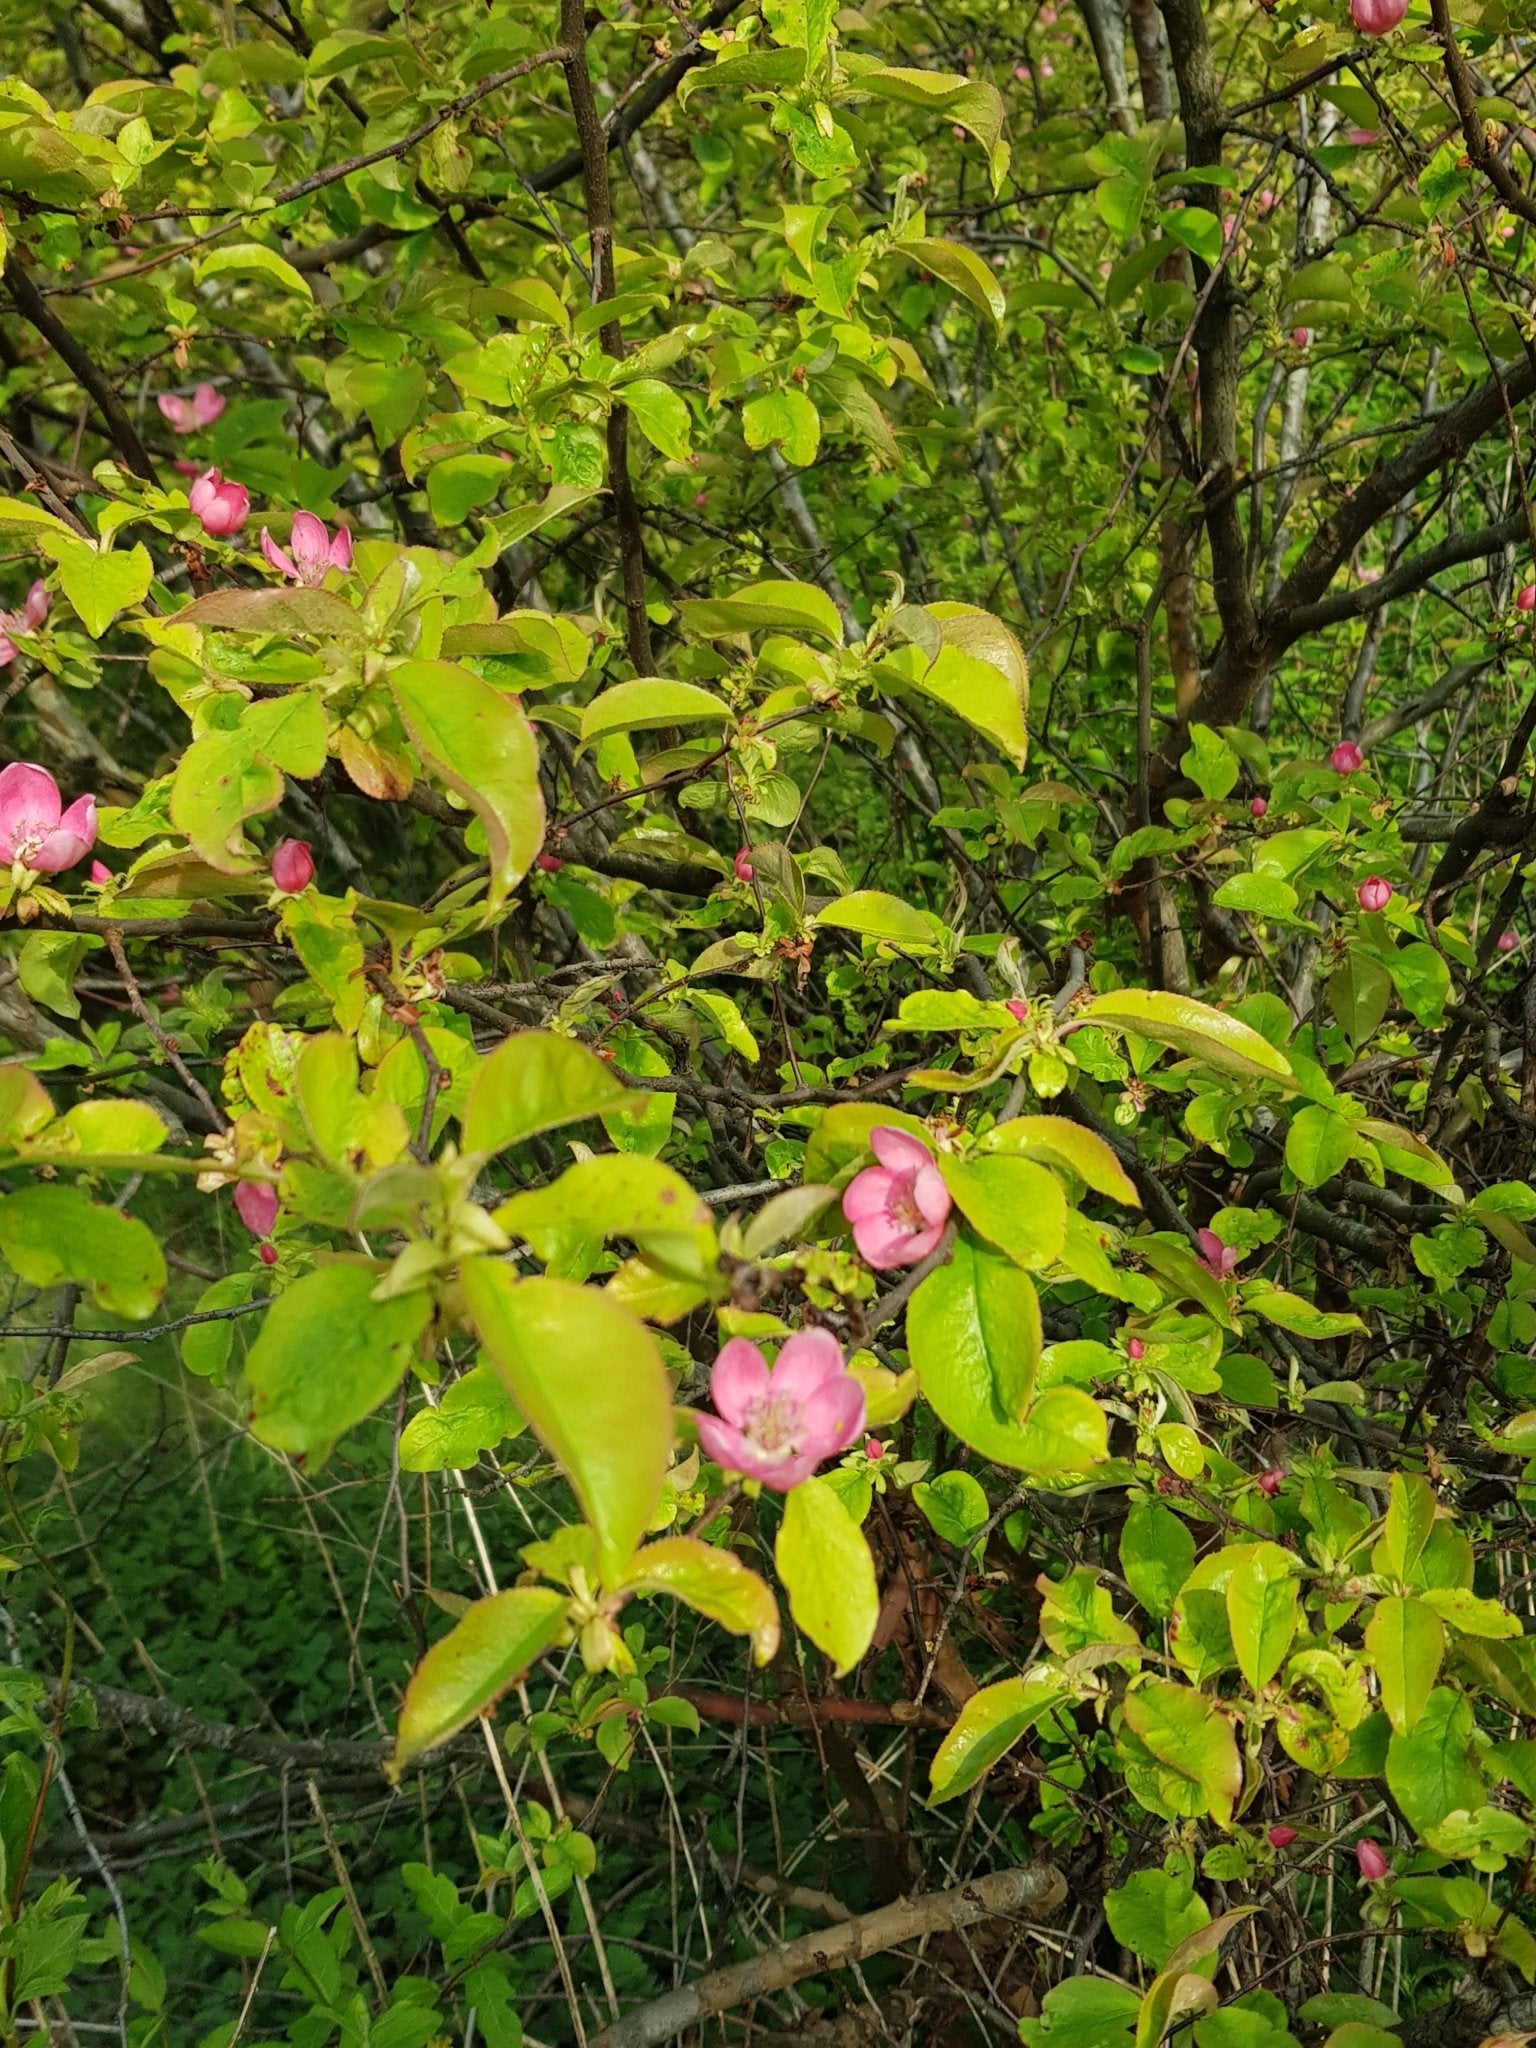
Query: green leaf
[
  {"x": 1406, "y": 1643},
  {"x": 1057, "y": 1141},
  {"x": 474, "y": 1664},
  {"x": 876, "y": 915},
  {"x": 588, "y": 1378},
  {"x": 473, "y": 1416},
  {"x": 1210, "y": 763},
  {"x": 760, "y": 607},
  {"x": 1083, "y": 2012},
  {"x": 1220, "y": 1040},
  {"x": 318, "y": 614},
  {"x": 101, "y": 583},
  {"x": 327, "y": 1354},
  {"x": 990, "y": 1723},
  {"x": 1410, "y": 1518},
  {"x": 1258, "y": 896},
  {"x": 980, "y": 673},
  {"x": 1014, "y": 1203},
  {"x": 1157, "y": 1554},
  {"x": 648, "y": 703},
  {"x": 47, "y": 965},
  {"x": 662, "y": 416},
  {"x": 476, "y": 739},
  {"x": 51, "y": 1233},
  {"x": 1192, "y": 1738},
  {"x": 1318, "y": 1144},
  {"x": 1423, "y": 981},
  {"x": 1199, "y": 230},
  {"x": 536, "y": 1081},
  {"x": 827, "y": 1571},
  {"x": 1262, "y": 1609},
  {"x": 953, "y": 1505},
  {"x": 971, "y": 103},
  {"x": 253, "y": 260},
  {"x": 1293, "y": 1312},
  {"x": 620, "y": 1194},
  {"x": 1152, "y": 1912},
  {"x": 1430, "y": 1772},
  {"x": 456, "y": 487},
  {"x": 962, "y": 270},
  {"x": 785, "y": 420},
  {"x": 715, "y": 1583}
]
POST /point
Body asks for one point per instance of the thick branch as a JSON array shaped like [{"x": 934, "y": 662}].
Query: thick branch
[
  {"x": 121, "y": 431},
  {"x": 1038, "y": 1889}
]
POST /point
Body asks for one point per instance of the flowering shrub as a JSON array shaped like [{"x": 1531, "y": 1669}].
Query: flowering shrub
[{"x": 883, "y": 1267}]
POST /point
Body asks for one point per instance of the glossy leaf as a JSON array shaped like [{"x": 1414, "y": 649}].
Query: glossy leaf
[
  {"x": 474, "y": 1664},
  {"x": 824, "y": 1563},
  {"x": 327, "y": 1354}
]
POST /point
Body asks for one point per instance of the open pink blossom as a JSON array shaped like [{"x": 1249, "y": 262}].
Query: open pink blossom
[
  {"x": 222, "y": 507},
  {"x": 1216, "y": 1257},
  {"x": 1372, "y": 1860},
  {"x": 1346, "y": 758},
  {"x": 310, "y": 552},
  {"x": 293, "y": 866},
  {"x": 1374, "y": 893},
  {"x": 186, "y": 415},
  {"x": 256, "y": 1205},
  {"x": 779, "y": 1425},
  {"x": 27, "y": 620},
  {"x": 898, "y": 1209},
  {"x": 1376, "y": 17},
  {"x": 34, "y": 831}
]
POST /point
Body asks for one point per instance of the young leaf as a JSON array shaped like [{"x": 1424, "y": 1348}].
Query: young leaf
[
  {"x": 536, "y": 1081},
  {"x": 990, "y": 1723},
  {"x": 827, "y": 1571},
  {"x": 1405, "y": 1642},
  {"x": 715, "y": 1583},
  {"x": 473, "y": 1666},
  {"x": 327, "y": 1354}
]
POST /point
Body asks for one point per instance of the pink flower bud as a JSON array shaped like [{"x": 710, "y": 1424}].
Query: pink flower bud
[
  {"x": 1376, "y": 17},
  {"x": 1259, "y": 808},
  {"x": 1525, "y": 598},
  {"x": 1270, "y": 1482},
  {"x": 222, "y": 507},
  {"x": 874, "y": 1450},
  {"x": 256, "y": 1205},
  {"x": 1301, "y": 337},
  {"x": 100, "y": 872},
  {"x": 1268, "y": 201},
  {"x": 700, "y": 500},
  {"x": 293, "y": 867},
  {"x": 1281, "y": 1837},
  {"x": 1507, "y": 941},
  {"x": 1374, "y": 893},
  {"x": 1017, "y": 1009},
  {"x": 1135, "y": 1350},
  {"x": 267, "y": 1253},
  {"x": 1346, "y": 758},
  {"x": 1372, "y": 1861},
  {"x": 549, "y": 864},
  {"x": 744, "y": 868}
]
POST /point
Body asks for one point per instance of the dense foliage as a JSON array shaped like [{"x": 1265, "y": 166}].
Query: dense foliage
[{"x": 769, "y": 1035}]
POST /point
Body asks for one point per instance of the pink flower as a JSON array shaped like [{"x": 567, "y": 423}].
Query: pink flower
[
  {"x": 1507, "y": 941},
  {"x": 1216, "y": 1257},
  {"x": 1346, "y": 758},
  {"x": 874, "y": 1450},
  {"x": 27, "y": 620},
  {"x": 898, "y": 1209},
  {"x": 267, "y": 1253},
  {"x": 1259, "y": 807},
  {"x": 1376, "y": 17},
  {"x": 1017, "y": 1009},
  {"x": 700, "y": 500},
  {"x": 1135, "y": 1350},
  {"x": 1525, "y": 598},
  {"x": 744, "y": 868},
  {"x": 184, "y": 468},
  {"x": 100, "y": 872},
  {"x": 1369, "y": 575},
  {"x": 312, "y": 550},
  {"x": 256, "y": 1205},
  {"x": 1374, "y": 893},
  {"x": 1281, "y": 1838},
  {"x": 1362, "y": 138},
  {"x": 779, "y": 1426},
  {"x": 1270, "y": 1482},
  {"x": 1268, "y": 201},
  {"x": 222, "y": 507},
  {"x": 1372, "y": 1861},
  {"x": 32, "y": 831},
  {"x": 1301, "y": 337},
  {"x": 186, "y": 415},
  {"x": 293, "y": 868},
  {"x": 549, "y": 864}
]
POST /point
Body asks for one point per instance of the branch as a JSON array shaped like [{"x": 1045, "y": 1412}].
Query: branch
[
  {"x": 1039, "y": 1888},
  {"x": 1473, "y": 126},
  {"x": 638, "y": 109},
  {"x": 594, "y": 147},
  {"x": 121, "y": 431}
]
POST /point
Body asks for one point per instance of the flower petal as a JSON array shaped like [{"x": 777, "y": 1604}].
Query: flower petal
[
  {"x": 206, "y": 405},
  {"x": 785, "y": 1476},
  {"x": 29, "y": 806},
  {"x": 738, "y": 1378},
  {"x": 899, "y": 1149},
  {"x": 833, "y": 1416},
  {"x": 177, "y": 411},
  {"x": 931, "y": 1195},
  {"x": 281, "y": 562},
  {"x": 310, "y": 546},
  {"x": 341, "y": 549},
  {"x": 869, "y": 1193},
  {"x": 882, "y": 1242},
  {"x": 71, "y": 840},
  {"x": 731, "y": 1451},
  {"x": 807, "y": 1361}
]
